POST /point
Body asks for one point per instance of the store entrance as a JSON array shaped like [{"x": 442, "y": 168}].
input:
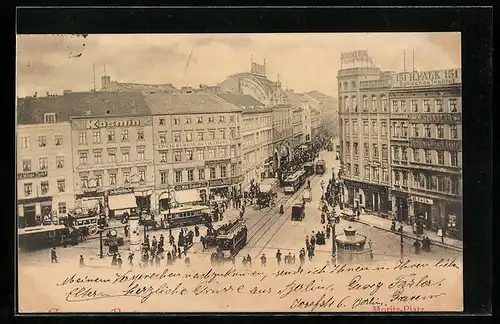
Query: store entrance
[
  {"x": 423, "y": 214},
  {"x": 29, "y": 215}
]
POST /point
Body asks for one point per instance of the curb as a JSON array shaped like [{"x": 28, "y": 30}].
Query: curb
[{"x": 411, "y": 236}]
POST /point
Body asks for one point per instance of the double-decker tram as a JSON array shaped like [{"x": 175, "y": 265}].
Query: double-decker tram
[
  {"x": 309, "y": 168},
  {"x": 37, "y": 237},
  {"x": 320, "y": 166},
  {"x": 187, "y": 215},
  {"x": 231, "y": 239},
  {"x": 295, "y": 181}
]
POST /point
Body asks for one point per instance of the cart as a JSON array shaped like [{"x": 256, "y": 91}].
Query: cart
[
  {"x": 306, "y": 196},
  {"x": 297, "y": 212}
]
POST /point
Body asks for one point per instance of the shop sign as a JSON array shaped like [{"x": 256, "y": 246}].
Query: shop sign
[
  {"x": 89, "y": 194},
  {"x": 428, "y": 78},
  {"x": 436, "y": 118},
  {"x": 88, "y": 167},
  {"x": 32, "y": 175},
  {"x": 98, "y": 123},
  {"x": 211, "y": 163},
  {"x": 181, "y": 145},
  {"x": 238, "y": 179},
  {"x": 192, "y": 185},
  {"x": 438, "y": 144},
  {"x": 30, "y": 201},
  {"x": 365, "y": 186},
  {"x": 255, "y": 88},
  {"x": 422, "y": 200},
  {"x": 219, "y": 182},
  {"x": 120, "y": 191}
]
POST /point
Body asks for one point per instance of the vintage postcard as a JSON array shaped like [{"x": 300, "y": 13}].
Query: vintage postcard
[{"x": 239, "y": 172}]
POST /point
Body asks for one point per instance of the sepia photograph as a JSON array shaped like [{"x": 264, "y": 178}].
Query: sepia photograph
[{"x": 286, "y": 172}]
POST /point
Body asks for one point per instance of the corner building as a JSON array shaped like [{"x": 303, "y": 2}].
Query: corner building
[
  {"x": 426, "y": 148},
  {"x": 363, "y": 94}
]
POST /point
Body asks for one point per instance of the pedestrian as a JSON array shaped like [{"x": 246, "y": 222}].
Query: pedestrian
[
  {"x": 82, "y": 262},
  {"x": 196, "y": 231},
  {"x": 310, "y": 254},
  {"x": 114, "y": 261},
  {"x": 185, "y": 248},
  {"x": 249, "y": 260},
  {"x": 151, "y": 259},
  {"x": 53, "y": 255},
  {"x": 130, "y": 258},
  {"x": 278, "y": 257},
  {"x": 414, "y": 227},
  {"x": 416, "y": 245},
  {"x": 171, "y": 239},
  {"x": 187, "y": 261},
  {"x": 313, "y": 241},
  {"x": 157, "y": 260},
  {"x": 125, "y": 229},
  {"x": 119, "y": 261},
  {"x": 263, "y": 260},
  {"x": 302, "y": 255},
  {"x": 245, "y": 262},
  {"x": 307, "y": 242},
  {"x": 282, "y": 211},
  {"x": 169, "y": 258}
]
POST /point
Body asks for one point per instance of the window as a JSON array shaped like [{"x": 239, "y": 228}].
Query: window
[
  {"x": 177, "y": 156},
  {"x": 365, "y": 103},
  {"x": 200, "y": 136},
  {"x": 384, "y": 128},
  {"x": 28, "y": 189},
  {"x": 60, "y": 162},
  {"x": 367, "y": 172},
  {"x": 440, "y": 183},
  {"x": 374, "y": 127},
  {"x": 111, "y": 136},
  {"x": 25, "y": 142},
  {"x": 395, "y": 106},
  {"x": 355, "y": 148},
  {"x": 61, "y": 208},
  {"x": 188, "y": 120},
  {"x": 223, "y": 171},
  {"x": 395, "y": 153},
  {"x": 375, "y": 175},
  {"x": 44, "y": 187},
  {"x": 440, "y": 131},
  {"x": 428, "y": 156},
  {"x": 348, "y": 147},
  {"x": 427, "y": 107},
  {"x": 190, "y": 175},
  {"x": 384, "y": 104},
  {"x": 26, "y": 165},
  {"x": 61, "y": 185},
  {"x": 200, "y": 120},
  {"x": 189, "y": 137},
  {"x": 42, "y": 141},
  {"x": 354, "y": 127},
  {"x": 453, "y": 105},
  {"x": 111, "y": 157},
  {"x": 233, "y": 151},
  {"x": 98, "y": 180},
  {"x": 233, "y": 133},
  {"x": 454, "y": 159},
  {"x": 201, "y": 155},
  {"x": 161, "y": 121},
  {"x": 374, "y": 103},
  {"x": 439, "y": 105},
  {"x": 178, "y": 176},
  {"x": 112, "y": 179},
  {"x": 211, "y": 119},
  {"x": 447, "y": 184},
  {"x": 356, "y": 170},
  {"x": 177, "y": 137},
  {"x": 211, "y": 135},
  {"x": 126, "y": 177},
  {"x": 375, "y": 151},
  {"x": 140, "y": 155},
  {"x": 163, "y": 157},
  {"x": 49, "y": 118},
  {"x": 140, "y": 134},
  {"x": 163, "y": 138},
  {"x": 177, "y": 121},
  {"x": 189, "y": 155},
  {"x": 365, "y": 127},
  {"x": 221, "y": 119},
  {"x": 427, "y": 128},
  {"x": 212, "y": 173},
  {"x": 415, "y": 130},
  {"x": 385, "y": 175},
  {"x": 404, "y": 129},
  {"x": 434, "y": 183},
  {"x": 367, "y": 150},
  {"x": 346, "y": 104},
  {"x": 440, "y": 156},
  {"x": 222, "y": 152},
  {"x": 231, "y": 119},
  {"x": 163, "y": 177},
  {"x": 414, "y": 105},
  {"x": 222, "y": 134},
  {"x": 385, "y": 152},
  {"x": 201, "y": 174},
  {"x": 396, "y": 178},
  {"x": 395, "y": 129},
  {"x": 453, "y": 131},
  {"x": 58, "y": 140},
  {"x": 233, "y": 169},
  {"x": 422, "y": 181},
  {"x": 85, "y": 181},
  {"x": 405, "y": 179},
  {"x": 83, "y": 157},
  {"x": 82, "y": 138},
  {"x": 211, "y": 153},
  {"x": 355, "y": 104},
  {"x": 125, "y": 135},
  {"x": 403, "y": 106},
  {"x": 125, "y": 156},
  {"x": 404, "y": 157},
  {"x": 97, "y": 157},
  {"x": 416, "y": 155},
  {"x": 142, "y": 175}
]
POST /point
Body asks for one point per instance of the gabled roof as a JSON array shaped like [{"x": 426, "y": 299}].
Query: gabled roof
[
  {"x": 31, "y": 110},
  {"x": 240, "y": 100},
  {"x": 140, "y": 87},
  {"x": 188, "y": 103}
]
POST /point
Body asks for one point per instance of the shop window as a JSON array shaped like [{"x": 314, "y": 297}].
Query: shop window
[
  {"x": 61, "y": 208},
  {"x": 26, "y": 165},
  {"x": 25, "y": 142},
  {"x": 61, "y": 185},
  {"x": 125, "y": 135},
  {"x": 44, "y": 187},
  {"x": 28, "y": 189}
]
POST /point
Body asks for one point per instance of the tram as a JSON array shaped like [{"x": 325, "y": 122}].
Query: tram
[
  {"x": 38, "y": 237},
  {"x": 295, "y": 181},
  {"x": 187, "y": 215},
  {"x": 231, "y": 238},
  {"x": 320, "y": 166},
  {"x": 309, "y": 168}
]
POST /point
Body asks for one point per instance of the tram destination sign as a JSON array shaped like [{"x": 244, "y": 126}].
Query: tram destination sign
[
  {"x": 32, "y": 175},
  {"x": 438, "y": 144},
  {"x": 427, "y": 78}
]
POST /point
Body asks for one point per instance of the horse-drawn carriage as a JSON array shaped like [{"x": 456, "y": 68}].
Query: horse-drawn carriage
[{"x": 298, "y": 212}]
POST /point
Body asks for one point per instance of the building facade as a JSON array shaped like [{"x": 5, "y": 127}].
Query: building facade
[
  {"x": 297, "y": 128},
  {"x": 44, "y": 169},
  {"x": 282, "y": 134},
  {"x": 197, "y": 145},
  {"x": 364, "y": 137},
  {"x": 426, "y": 150}
]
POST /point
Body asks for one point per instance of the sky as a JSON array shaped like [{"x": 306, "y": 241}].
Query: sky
[{"x": 304, "y": 62}]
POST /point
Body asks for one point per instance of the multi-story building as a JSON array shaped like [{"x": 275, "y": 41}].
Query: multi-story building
[
  {"x": 112, "y": 150},
  {"x": 364, "y": 137},
  {"x": 297, "y": 127},
  {"x": 256, "y": 137},
  {"x": 44, "y": 161},
  {"x": 426, "y": 159},
  {"x": 197, "y": 149},
  {"x": 282, "y": 134},
  {"x": 326, "y": 112}
]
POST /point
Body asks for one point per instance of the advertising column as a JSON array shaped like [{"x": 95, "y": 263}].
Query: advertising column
[{"x": 135, "y": 233}]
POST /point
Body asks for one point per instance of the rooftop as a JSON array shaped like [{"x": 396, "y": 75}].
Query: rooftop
[
  {"x": 246, "y": 102},
  {"x": 188, "y": 103}
]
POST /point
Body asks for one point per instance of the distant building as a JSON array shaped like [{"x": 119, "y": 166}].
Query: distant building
[{"x": 115, "y": 86}]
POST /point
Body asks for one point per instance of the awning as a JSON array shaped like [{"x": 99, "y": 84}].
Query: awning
[
  {"x": 187, "y": 196},
  {"x": 122, "y": 201}
]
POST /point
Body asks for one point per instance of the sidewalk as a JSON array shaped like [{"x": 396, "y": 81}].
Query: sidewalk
[{"x": 385, "y": 224}]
